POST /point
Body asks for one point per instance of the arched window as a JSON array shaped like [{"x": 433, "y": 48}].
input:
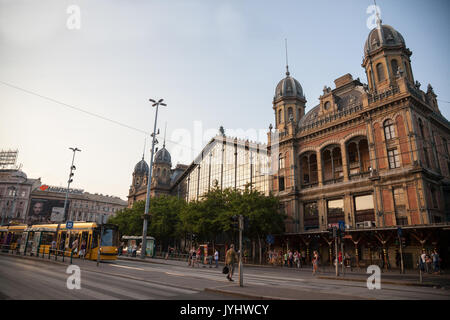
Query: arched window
[
  {"x": 290, "y": 114},
  {"x": 279, "y": 116},
  {"x": 327, "y": 105},
  {"x": 389, "y": 131},
  {"x": 380, "y": 72},
  {"x": 421, "y": 129},
  {"x": 280, "y": 161},
  {"x": 394, "y": 65},
  {"x": 164, "y": 173}
]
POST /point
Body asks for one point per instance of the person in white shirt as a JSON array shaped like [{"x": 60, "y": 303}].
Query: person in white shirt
[{"x": 216, "y": 258}]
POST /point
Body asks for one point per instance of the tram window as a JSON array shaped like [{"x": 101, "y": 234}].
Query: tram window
[
  {"x": 95, "y": 235},
  {"x": 107, "y": 237}
]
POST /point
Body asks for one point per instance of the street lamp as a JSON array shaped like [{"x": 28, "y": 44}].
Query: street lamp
[
  {"x": 72, "y": 167},
  {"x": 149, "y": 180}
]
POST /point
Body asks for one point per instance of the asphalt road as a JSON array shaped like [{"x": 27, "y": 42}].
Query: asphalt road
[{"x": 123, "y": 279}]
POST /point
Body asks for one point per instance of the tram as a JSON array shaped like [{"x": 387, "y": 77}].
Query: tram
[{"x": 38, "y": 239}]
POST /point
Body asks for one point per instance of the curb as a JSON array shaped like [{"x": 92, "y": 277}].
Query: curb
[
  {"x": 385, "y": 282},
  {"x": 242, "y": 295}
]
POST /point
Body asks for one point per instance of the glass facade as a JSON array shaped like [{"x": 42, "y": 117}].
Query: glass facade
[{"x": 228, "y": 165}]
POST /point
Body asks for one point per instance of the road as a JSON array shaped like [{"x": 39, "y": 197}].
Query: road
[{"x": 123, "y": 279}]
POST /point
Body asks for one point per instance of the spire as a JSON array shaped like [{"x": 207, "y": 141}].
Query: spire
[
  {"x": 378, "y": 15},
  {"x": 143, "y": 152},
  {"x": 287, "y": 64},
  {"x": 165, "y": 129}
]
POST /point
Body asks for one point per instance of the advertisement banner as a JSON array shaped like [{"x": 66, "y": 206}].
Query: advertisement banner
[{"x": 46, "y": 211}]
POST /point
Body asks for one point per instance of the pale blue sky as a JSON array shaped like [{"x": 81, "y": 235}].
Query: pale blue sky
[{"x": 212, "y": 61}]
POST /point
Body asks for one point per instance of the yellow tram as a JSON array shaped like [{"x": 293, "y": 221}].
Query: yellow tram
[
  {"x": 38, "y": 239},
  {"x": 9, "y": 236}
]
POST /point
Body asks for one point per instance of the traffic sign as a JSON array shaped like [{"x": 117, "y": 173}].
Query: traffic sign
[
  {"x": 399, "y": 231},
  {"x": 270, "y": 239},
  {"x": 69, "y": 225},
  {"x": 342, "y": 225}
]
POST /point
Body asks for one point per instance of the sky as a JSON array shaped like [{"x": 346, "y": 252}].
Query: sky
[{"x": 214, "y": 62}]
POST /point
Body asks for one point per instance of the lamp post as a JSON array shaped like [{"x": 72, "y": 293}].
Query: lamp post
[
  {"x": 72, "y": 167},
  {"x": 149, "y": 180}
]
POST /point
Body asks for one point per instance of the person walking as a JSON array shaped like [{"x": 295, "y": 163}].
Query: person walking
[
  {"x": 296, "y": 258},
  {"x": 303, "y": 257},
  {"x": 231, "y": 258},
  {"x": 216, "y": 258},
  {"x": 75, "y": 246},
  {"x": 423, "y": 258},
  {"x": 83, "y": 249},
  {"x": 193, "y": 257},
  {"x": 291, "y": 259},
  {"x": 286, "y": 259},
  {"x": 315, "y": 262},
  {"x": 435, "y": 258}
]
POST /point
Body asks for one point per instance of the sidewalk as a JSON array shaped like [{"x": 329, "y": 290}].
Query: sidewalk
[{"x": 410, "y": 278}]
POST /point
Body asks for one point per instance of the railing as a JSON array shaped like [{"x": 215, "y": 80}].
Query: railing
[
  {"x": 383, "y": 95},
  {"x": 40, "y": 252},
  {"x": 331, "y": 117}
]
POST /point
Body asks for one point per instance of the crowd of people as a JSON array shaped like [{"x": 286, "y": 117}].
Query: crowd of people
[{"x": 430, "y": 263}]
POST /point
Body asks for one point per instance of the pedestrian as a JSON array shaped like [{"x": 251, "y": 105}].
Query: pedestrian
[
  {"x": 286, "y": 259},
  {"x": 428, "y": 262},
  {"x": 296, "y": 258},
  {"x": 83, "y": 249},
  {"x": 291, "y": 259},
  {"x": 422, "y": 260},
  {"x": 303, "y": 257},
  {"x": 315, "y": 262},
  {"x": 436, "y": 260},
  {"x": 231, "y": 258},
  {"x": 397, "y": 259},
  {"x": 198, "y": 256},
  {"x": 190, "y": 257},
  {"x": 75, "y": 246},
  {"x": 193, "y": 257},
  {"x": 216, "y": 258},
  {"x": 53, "y": 247}
]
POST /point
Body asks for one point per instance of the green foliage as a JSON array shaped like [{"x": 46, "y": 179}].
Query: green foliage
[
  {"x": 129, "y": 220},
  {"x": 173, "y": 218}
]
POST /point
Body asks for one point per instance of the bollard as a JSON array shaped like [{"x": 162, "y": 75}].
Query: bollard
[
  {"x": 71, "y": 255},
  {"x": 63, "y": 254}
]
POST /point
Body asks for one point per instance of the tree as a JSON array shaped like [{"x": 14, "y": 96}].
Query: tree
[
  {"x": 129, "y": 220},
  {"x": 165, "y": 219}
]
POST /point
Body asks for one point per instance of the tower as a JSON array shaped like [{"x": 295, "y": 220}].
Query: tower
[
  {"x": 386, "y": 58},
  {"x": 288, "y": 102}
]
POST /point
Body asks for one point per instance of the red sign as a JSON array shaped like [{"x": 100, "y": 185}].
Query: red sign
[{"x": 43, "y": 187}]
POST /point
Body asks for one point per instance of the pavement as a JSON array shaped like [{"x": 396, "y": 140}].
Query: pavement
[
  {"x": 156, "y": 278},
  {"x": 409, "y": 278}
]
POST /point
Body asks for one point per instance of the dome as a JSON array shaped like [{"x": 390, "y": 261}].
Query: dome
[
  {"x": 163, "y": 156},
  {"x": 141, "y": 167},
  {"x": 288, "y": 87},
  {"x": 385, "y": 36}
]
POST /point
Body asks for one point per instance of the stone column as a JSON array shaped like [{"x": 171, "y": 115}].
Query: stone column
[
  {"x": 344, "y": 161},
  {"x": 319, "y": 168}
]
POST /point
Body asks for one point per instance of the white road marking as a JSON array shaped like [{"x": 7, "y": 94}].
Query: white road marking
[{"x": 120, "y": 266}]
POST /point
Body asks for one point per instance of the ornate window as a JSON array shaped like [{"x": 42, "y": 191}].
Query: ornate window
[
  {"x": 380, "y": 72},
  {"x": 389, "y": 131},
  {"x": 394, "y": 65},
  {"x": 280, "y": 161},
  {"x": 290, "y": 114},
  {"x": 326, "y": 106},
  {"x": 279, "y": 116},
  {"x": 394, "y": 158}
]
